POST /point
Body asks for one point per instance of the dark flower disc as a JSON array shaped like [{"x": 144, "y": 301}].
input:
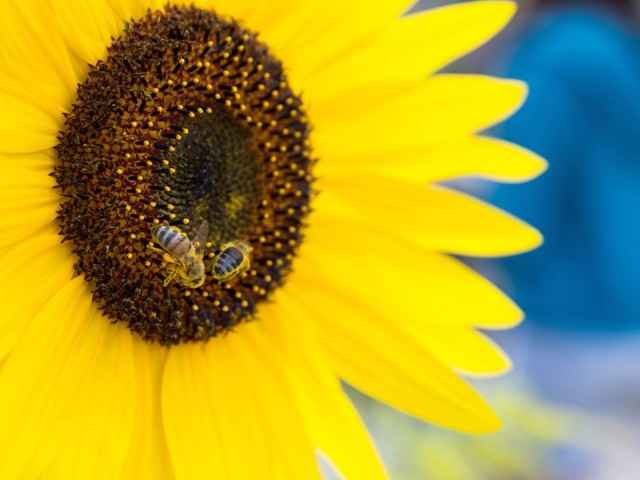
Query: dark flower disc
[{"x": 188, "y": 119}]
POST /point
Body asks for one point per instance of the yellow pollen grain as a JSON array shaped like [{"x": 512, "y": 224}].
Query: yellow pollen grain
[
  {"x": 267, "y": 75},
  {"x": 156, "y": 221},
  {"x": 279, "y": 108},
  {"x": 244, "y": 303},
  {"x": 275, "y": 93},
  {"x": 209, "y": 110},
  {"x": 208, "y": 244},
  {"x": 227, "y": 103},
  {"x": 187, "y": 293},
  {"x": 146, "y": 143},
  {"x": 250, "y": 60},
  {"x": 133, "y": 235},
  {"x": 172, "y": 149},
  {"x": 262, "y": 239},
  {"x": 165, "y": 162},
  {"x": 127, "y": 208},
  {"x": 279, "y": 262},
  {"x": 149, "y": 124},
  {"x": 129, "y": 255},
  {"x": 170, "y": 207},
  {"x": 138, "y": 190},
  {"x": 180, "y": 107},
  {"x": 167, "y": 188},
  {"x": 127, "y": 155},
  {"x": 209, "y": 86},
  {"x": 147, "y": 263},
  {"x": 200, "y": 110},
  {"x": 210, "y": 43},
  {"x": 178, "y": 137},
  {"x": 191, "y": 115},
  {"x": 153, "y": 204},
  {"x": 119, "y": 171},
  {"x": 205, "y": 294},
  {"x": 207, "y": 64},
  {"x": 156, "y": 91},
  {"x": 293, "y": 113},
  {"x": 238, "y": 295},
  {"x": 261, "y": 87},
  {"x": 172, "y": 170},
  {"x": 140, "y": 178},
  {"x": 141, "y": 217},
  {"x": 195, "y": 307},
  {"x": 134, "y": 124},
  {"x": 225, "y": 309},
  {"x": 169, "y": 82},
  {"x": 149, "y": 163},
  {"x": 216, "y": 303},
  {"x": 273, "y": 159},
  {"x": 226, "y": 73},
  {"x": 263, "y": 292},
  {"x": 182, "y": 61},
  {"x": 228, "y": 39},
  {"x": 185, "y": 130},
  {"x": 185, "y": 221},
  {"x": 211, "y": 255}
]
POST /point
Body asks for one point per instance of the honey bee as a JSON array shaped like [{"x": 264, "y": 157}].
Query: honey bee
[
  {"x": 185, "y": 255},
  {"x": 233, "y": 259}
]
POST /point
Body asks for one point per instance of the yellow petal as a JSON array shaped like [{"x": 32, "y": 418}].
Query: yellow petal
[
  {"x": 28, "y": 203},
  {"x": 411, "y": 47},
  {"x": 329, "y": 415},
  {"x": 63, "y": 366},
  {"x": 443, "y": 108},
  {"x": 87, "y": 27},
  {"x": 401, "y": 280},
  {"x": 473, "y": 155},
  {"x": 40, "y": 162},
  {"x": 134, "y": 9},
  {"x": 43, "y": 257},
  {"x": 148, "y": 455},
  {"x": 389, "y": 364},
  {"x": 25, "y": 126},
  {"x": 101, "y": 415},
  {"x": 432, "y": 217},
  {"x": 196, "y": 389},
  {"x": 466, "y": 350},
  {"x": 328, "y": 30},
  {"x": 33, "y": 52}
]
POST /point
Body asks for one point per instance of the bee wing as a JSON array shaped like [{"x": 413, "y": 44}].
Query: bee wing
[{"x": 201, "y": 238}]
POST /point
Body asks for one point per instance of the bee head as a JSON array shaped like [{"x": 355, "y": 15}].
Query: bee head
[{"x": 194, "y": 273}]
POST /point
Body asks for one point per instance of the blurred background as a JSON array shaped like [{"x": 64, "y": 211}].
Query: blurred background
[{"x": 571, "y": 407}]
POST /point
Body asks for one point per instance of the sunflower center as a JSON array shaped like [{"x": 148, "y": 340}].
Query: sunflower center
[{"x": 184, "y": 168}]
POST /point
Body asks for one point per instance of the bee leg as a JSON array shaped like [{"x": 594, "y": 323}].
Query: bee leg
[
  {"x": 171, "y": 276},
  {"x": 156, "y": 249}
]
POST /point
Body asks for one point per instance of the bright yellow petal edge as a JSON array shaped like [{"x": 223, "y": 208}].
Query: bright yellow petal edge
[{"x": 83, "y": 398}]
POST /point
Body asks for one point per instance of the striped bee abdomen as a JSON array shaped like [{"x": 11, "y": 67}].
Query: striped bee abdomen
[
  {"x": 172, "y": 241},
  {"x": 228, "y": 261}
]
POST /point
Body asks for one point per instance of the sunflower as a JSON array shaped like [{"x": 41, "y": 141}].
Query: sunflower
[{"x": 213, "y": 212}]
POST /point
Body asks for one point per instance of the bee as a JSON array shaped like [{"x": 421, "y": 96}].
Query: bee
[
  {"x": 233, "y": 259},
  {"x": 185, "y": 255}
]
